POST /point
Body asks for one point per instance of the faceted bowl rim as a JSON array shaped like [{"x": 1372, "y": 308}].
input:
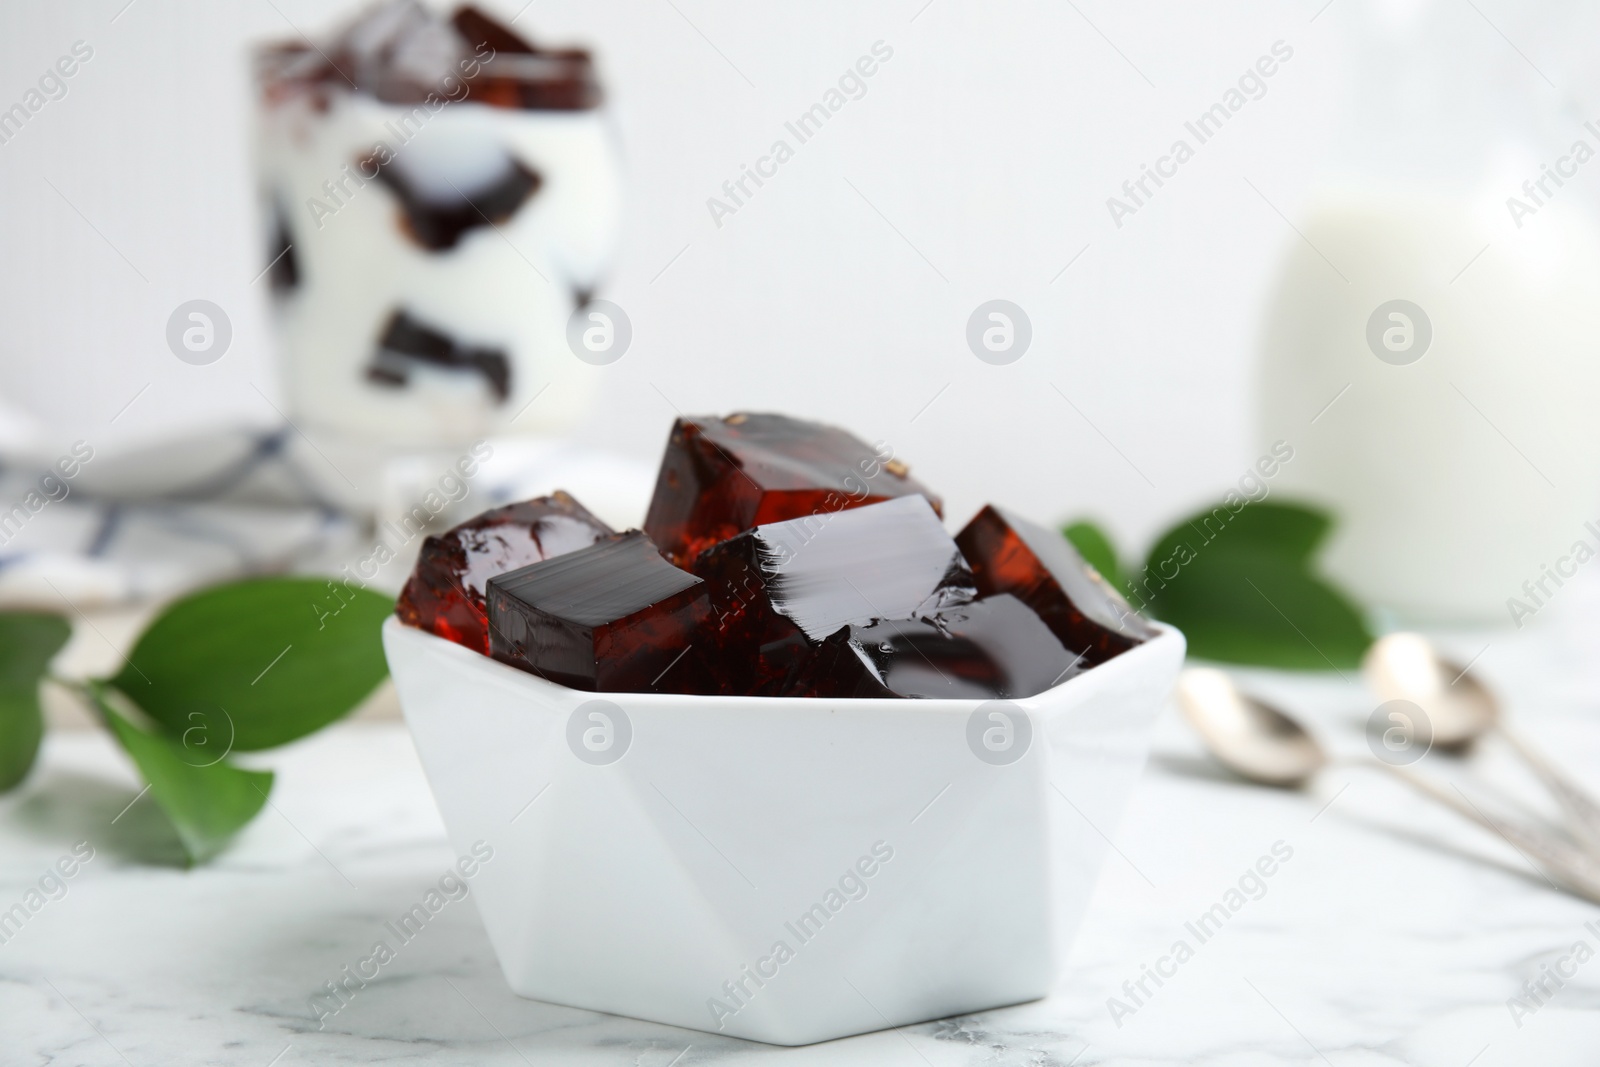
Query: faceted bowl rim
[{"x": 1126, "y": 663}]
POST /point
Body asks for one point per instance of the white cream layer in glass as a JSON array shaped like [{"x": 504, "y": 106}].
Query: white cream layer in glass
[{"x": 509, "y": 287}]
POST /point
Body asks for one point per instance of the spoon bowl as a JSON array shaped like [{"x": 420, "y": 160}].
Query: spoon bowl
[
  {"x": 1254, "y": 740},
  {"x": 1459, "y": 708}
]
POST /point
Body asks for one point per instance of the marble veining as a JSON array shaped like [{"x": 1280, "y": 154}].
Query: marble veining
[{"x": 1394, "y": 934}]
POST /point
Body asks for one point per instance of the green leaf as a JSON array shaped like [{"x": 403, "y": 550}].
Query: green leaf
[
  {"x": 207, "y": 802},
  {"x": 259, "y": 663},
  {"x": 1095, "y": 547},
  {"x": 1243, "y": 588},
  {"x": 28, "y": 642}
]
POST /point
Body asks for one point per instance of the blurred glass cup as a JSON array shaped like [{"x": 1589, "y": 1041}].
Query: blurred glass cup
[{"x": 441, "y": 197}]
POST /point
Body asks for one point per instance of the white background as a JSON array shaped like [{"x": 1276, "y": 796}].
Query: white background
[{"x": 984, "y": 152}]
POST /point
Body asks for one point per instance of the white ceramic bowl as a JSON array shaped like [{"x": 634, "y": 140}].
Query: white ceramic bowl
[{"x": 782, "y": 870}]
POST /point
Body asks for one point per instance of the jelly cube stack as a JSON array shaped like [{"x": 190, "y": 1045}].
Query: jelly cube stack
[{"x": 779, "y": 558}]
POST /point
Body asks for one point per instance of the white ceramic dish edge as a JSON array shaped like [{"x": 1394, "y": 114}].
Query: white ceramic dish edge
[{"x": 784, "y": 870}]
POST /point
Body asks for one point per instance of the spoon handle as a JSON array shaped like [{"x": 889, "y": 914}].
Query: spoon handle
[
  {"x": 1572, "y": 866},
  {"x": 1581, "y": 810}
]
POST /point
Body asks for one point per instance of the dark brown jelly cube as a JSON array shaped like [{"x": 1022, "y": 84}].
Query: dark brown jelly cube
[
  {"x": 614, "y": 617},
  {"x": 995, "y": 648},
  {"x": 781, "y": 588},
  {"x": 438, "y": 223},
  {"x": 445, "y": 594},
  {"x": 1039, "y": 567},
  {"x": 722, "y": 476},
  {"x": 519, "y": 74},
  {"x": 482, "y": 32},
  {"x": 407, "y": 341},
  {"x": 402, "y": 53}
]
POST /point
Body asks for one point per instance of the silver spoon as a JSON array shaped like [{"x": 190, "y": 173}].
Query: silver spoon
[
  {"x": 1262, "y": 744},
  {"x": 1460, "y": 709}
]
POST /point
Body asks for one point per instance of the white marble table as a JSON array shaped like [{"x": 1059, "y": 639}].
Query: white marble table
[{"x": 1393, "y": 934}]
